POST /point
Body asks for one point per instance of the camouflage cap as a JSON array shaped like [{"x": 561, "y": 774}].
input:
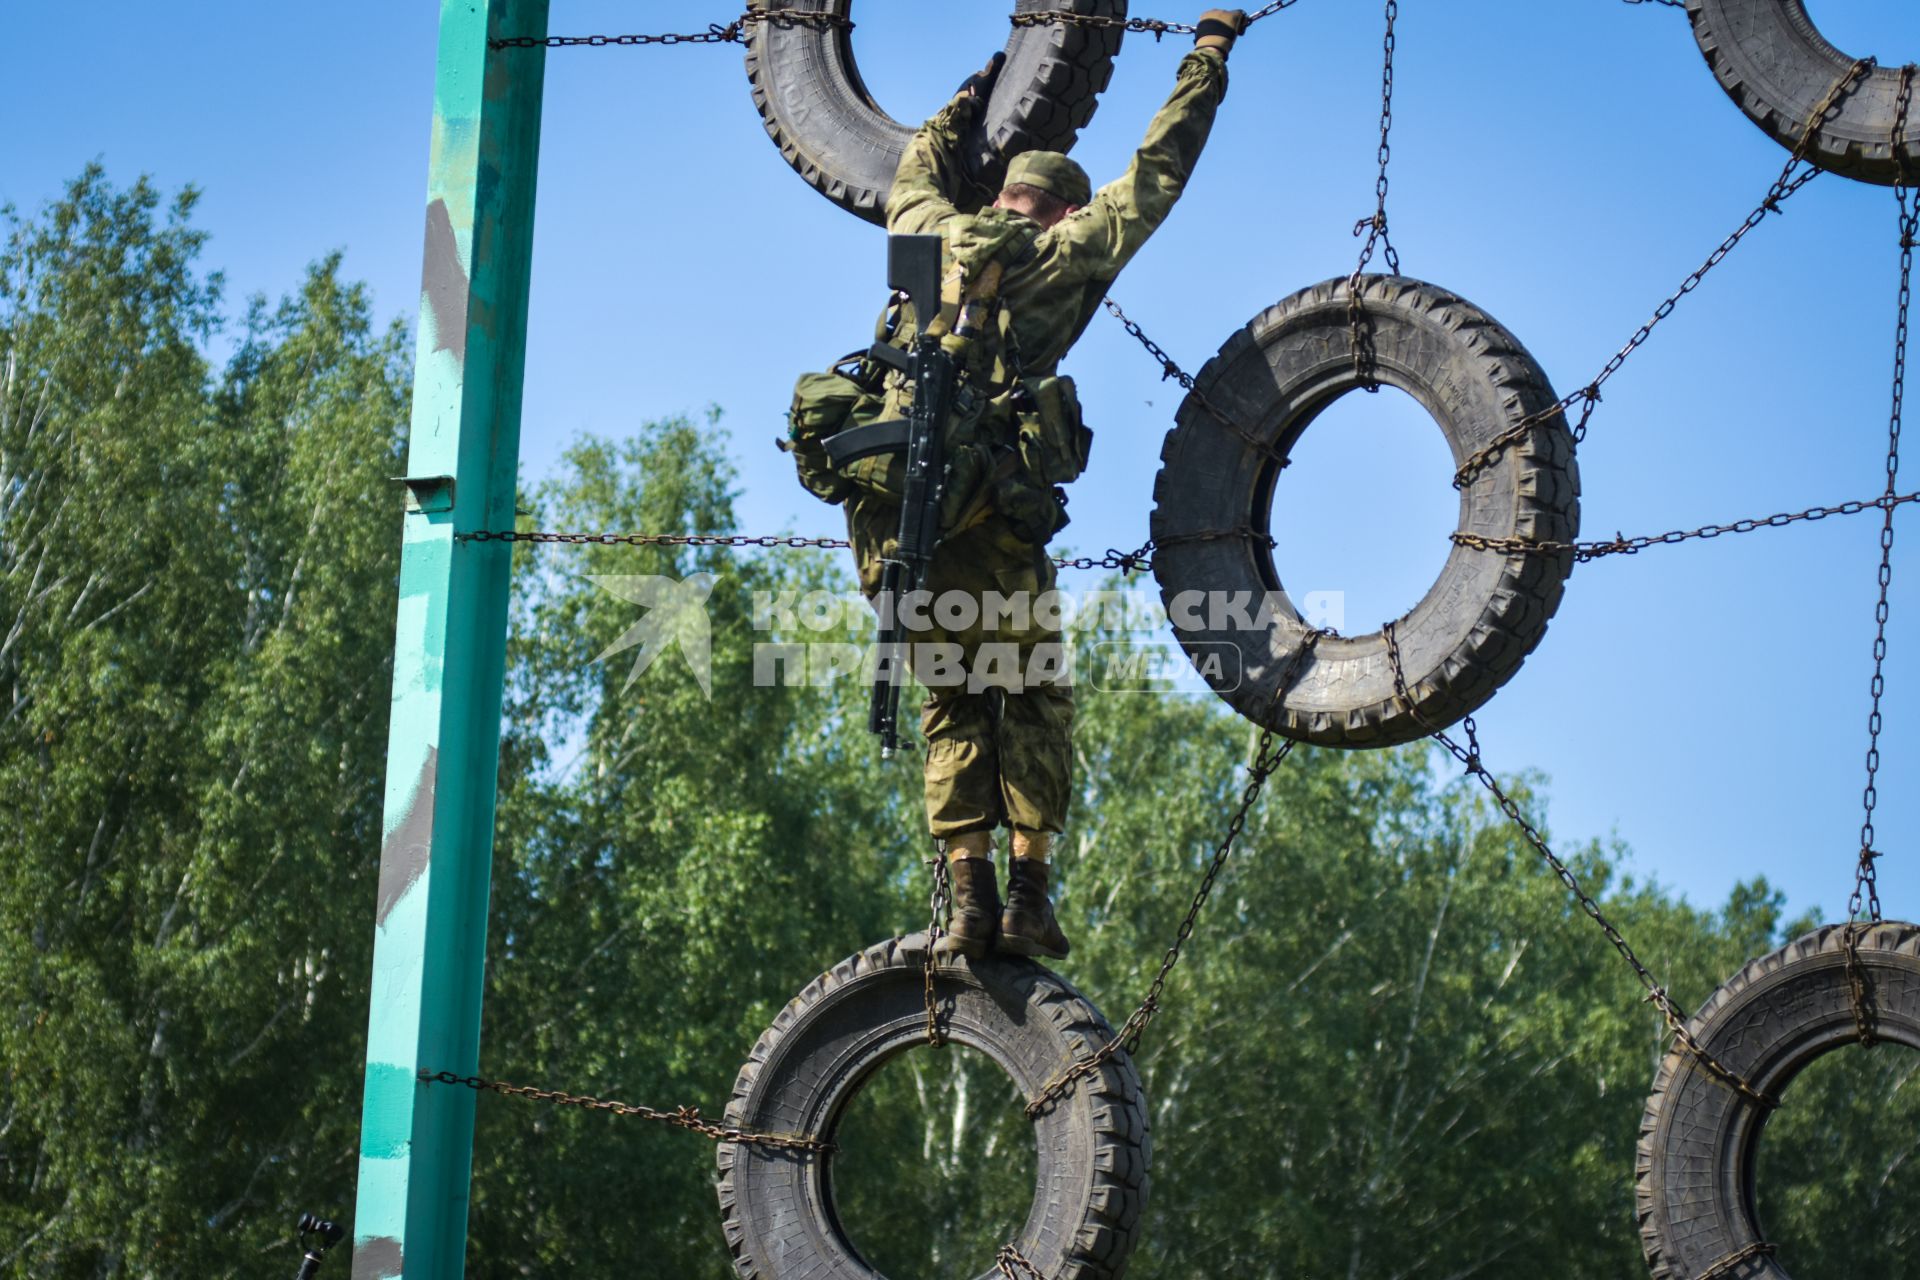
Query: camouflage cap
[{"x": 1053, "y": 173}]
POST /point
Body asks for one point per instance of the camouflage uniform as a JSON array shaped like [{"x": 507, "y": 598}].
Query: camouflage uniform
[{"x": 1005, "y": 757}]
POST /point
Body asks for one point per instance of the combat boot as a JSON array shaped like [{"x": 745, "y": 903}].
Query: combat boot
[
  {"x": 976, "y": 898},
  {"x": 1027, "y": 926}
]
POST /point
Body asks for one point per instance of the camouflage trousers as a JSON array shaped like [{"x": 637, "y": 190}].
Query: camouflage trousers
[{"x": 998, "y": 717}]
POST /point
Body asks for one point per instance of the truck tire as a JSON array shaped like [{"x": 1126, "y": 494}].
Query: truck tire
[
  {"x": 1093, "y": 1149},
  {"x": 1215, "y": 492},
  {"x": 818, "y": 111},
  {"x": 1777, "y": 67},
  {"x": 1694, "y": 1174}
]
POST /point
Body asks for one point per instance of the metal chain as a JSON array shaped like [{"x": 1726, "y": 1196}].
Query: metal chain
[
  {"x": 1010, "y": 1263},
  {"x": 1170, "y": 369},
  {"x": 1125, "y": 561},
  {"x": 1671, "y": 4},
  {"x": 1141, "y": 558},
  {"x": 1784, "y": 187},
  {"x": 715, "y": 33},
  {"x": 1865, "y": 886},
  {"x": 687, "y": 1118},
  {"x": 1865, "y": 899},
  {"x": 1129, "y": 561},
  {"x": 1620, "y": 544},
  {"x": 1146, "y": 26},
  {"x": 1135, "y": 561},
  {"x": 1726, "y": 1266},
  {"x": 1266, "y": 759},
  {"x": 936, "y": 929},
  {"x": 649, "y": 539},
  {"x": 1469, "y": 756},
  {"x": 1365, "y": 358},
  {"x": 1244, "y": 533},
  {"x": 736, "y": 30}
]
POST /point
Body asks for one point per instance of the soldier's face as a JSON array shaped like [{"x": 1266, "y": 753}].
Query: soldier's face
[{"x": 1022, "y": 207}]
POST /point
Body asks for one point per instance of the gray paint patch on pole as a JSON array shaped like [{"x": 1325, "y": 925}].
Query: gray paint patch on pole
[{"x": 409, "y": 849}]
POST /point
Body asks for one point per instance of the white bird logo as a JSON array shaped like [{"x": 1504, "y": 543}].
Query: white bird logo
[{"x": 676, "y": 611}]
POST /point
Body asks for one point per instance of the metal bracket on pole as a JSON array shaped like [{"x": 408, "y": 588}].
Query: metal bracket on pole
[
  {"x": 428, "y": 493},
  {"x": 443, "y": 746}
]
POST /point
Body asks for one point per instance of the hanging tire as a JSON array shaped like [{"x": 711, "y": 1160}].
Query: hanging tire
[
  {"x": 818, "y": 112},
  {"x": 1093, "y": 1150},
  {"x": 1215, "y": 492},
  {"x": 1778, "y": 68},
  {"x": 1694, "y": 1174}
]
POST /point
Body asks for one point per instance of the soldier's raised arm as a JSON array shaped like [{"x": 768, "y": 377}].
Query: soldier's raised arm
[
  {"x": 932, "y": 178},
  {"x": 1123, "y": 214}
]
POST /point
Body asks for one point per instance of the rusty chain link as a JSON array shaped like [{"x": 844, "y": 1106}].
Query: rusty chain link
[
  {"x": 1865, "y": 900},
  {"x": 1266, "y": 759},
  {"x": 1469, "y": 757},
  {"x": 936, "y": 929},
  {"x": 687, "y": 1118},
  {"x": 1128, "y": 561},
  {"x": 1010, "y": 1263},
  {"x": 1141, "y": 558},
  {"x": 715, "y": 33},
  {"x": 819, "y": 20},
  {"x": 732, "y": 32},
  {"x": 1726, "y": 1266},
  {"x": 1170, "y": 369},
  {"x": 1135, "y": 561},
  {"x": 1365, "y": 358},
  {"x": 1784, "y": 187},
  {"x": 1243, "y": 533},
  {"x": 649, "y": 539},
  {"x": 1147, "y": 26},
  {"x": 1620, "y": 544},
  {"x": 1154, "y": 27}
]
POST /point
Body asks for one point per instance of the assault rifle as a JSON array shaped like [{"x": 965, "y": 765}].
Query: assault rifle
[{"x": 913, "y": 268}]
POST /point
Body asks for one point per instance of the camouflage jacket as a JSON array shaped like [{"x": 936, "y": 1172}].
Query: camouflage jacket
[{"x": 1053, "y": 291}]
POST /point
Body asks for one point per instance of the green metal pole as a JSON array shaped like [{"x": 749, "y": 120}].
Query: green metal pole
[{"x": 416, "y": 1141}]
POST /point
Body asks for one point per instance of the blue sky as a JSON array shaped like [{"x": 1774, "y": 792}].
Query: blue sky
[{"x": 1562, "y": 164}]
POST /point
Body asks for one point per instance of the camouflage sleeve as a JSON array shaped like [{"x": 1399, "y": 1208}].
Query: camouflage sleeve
[
  {"x": 931, "y": 181},
  {"x": 1102, "y": 238}
]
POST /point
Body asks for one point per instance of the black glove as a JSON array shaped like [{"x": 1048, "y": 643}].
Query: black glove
[
  {"x": 1219, "y": 28},
  {"x": 980, "y": 83}
]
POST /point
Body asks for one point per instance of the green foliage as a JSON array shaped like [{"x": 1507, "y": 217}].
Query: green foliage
[
  {"x": 196, "y": 593},
  {"x": 669, "y": 871},
  {"x": 1395, "y": 1047},
  {"x": 1395, "y": 1034},
  {"x": 936, "y": 1165},
  {"x": 1836, "y": 1165}
]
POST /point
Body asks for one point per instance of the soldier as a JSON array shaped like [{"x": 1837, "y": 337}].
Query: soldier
[{"x": 1026, "y": 275}]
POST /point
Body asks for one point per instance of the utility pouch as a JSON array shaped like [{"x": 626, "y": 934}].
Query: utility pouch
[
  {"x": 1033, "y": 512},
  {"x": 824, "y": 404},
  {"x": 1053, "y": 441},
  {"x": 1051, "y": 445}
]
